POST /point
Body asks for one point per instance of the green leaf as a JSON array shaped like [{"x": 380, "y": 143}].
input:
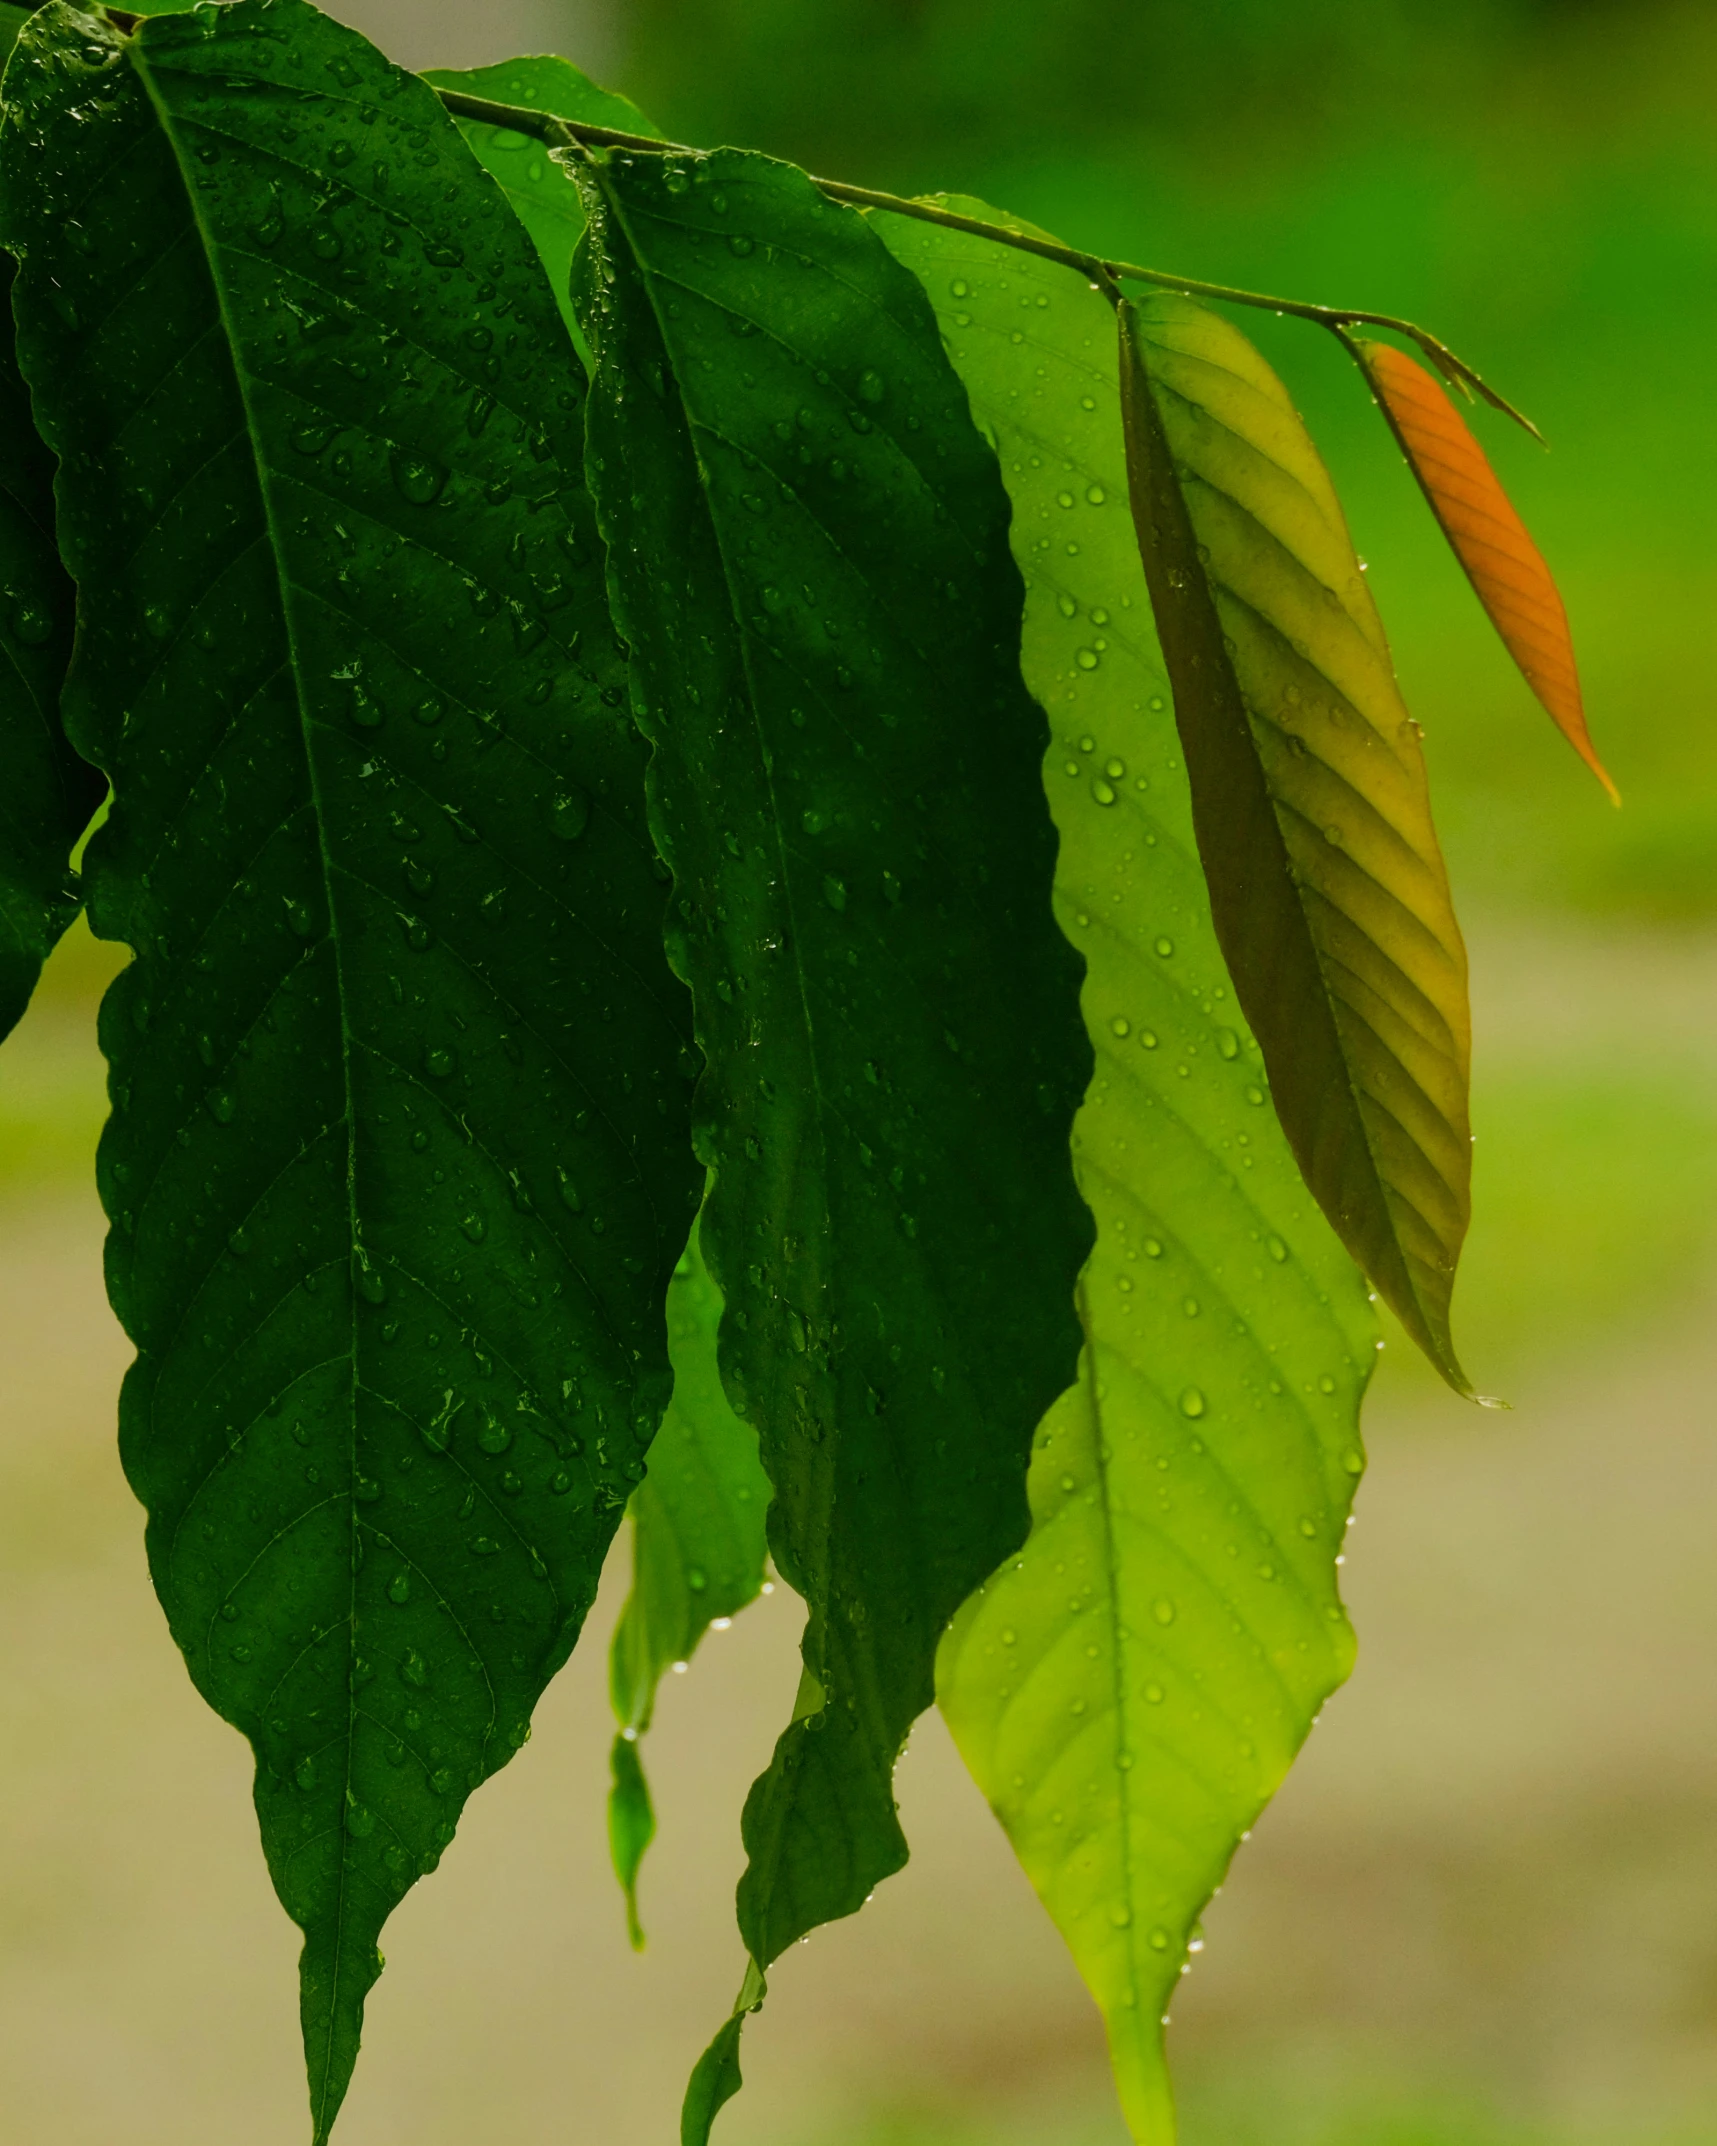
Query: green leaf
[
  {"x": 48, "y": 793},
  {"x": 1129, "y": 1691},
  {"x": 698, "y": 1549},
  {"x": 12, "y": 20},
  {"x": 542, "y": 192},
  {"x": 400, "y": 1165},
  {"x": 1309, "y": 795},
  {"x": 808, "y": 553}
]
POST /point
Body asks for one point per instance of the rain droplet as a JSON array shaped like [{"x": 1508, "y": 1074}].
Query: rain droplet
[
  {"x": 437, "y": 1063},
  {"x": 1104, "y": 792},
  {"x": 1154, "y": 1694},
  {"x": 569, "y": 814},
  {"x": 1087, "y": 659},
  {"x": 1277, "y": 1249},
  {"x": 399, "y": 1587},
  {"x": 1163, "y": 1610},
  {"x": 1227, "y": 1043},
  {"x": 871, "y": 386},
  {"x": 1192, "y": 1403},
  {"x": 1159, "y": 1939},
  {"x": 495, "y": 1436},
  {"x": 416, "y": 478},
  {"x": 1095, "y": 494},
  {"x": 1163, "y": 948},
  {"x": 1120, "y": 1026},
  {"x": 1353, "y": 1460}
]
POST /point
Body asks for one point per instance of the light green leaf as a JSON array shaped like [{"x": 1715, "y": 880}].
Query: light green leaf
[
  {"x": 542, "y": 192},
  {"x": 698, "y": 1549},
  {"x": 1310, "y": 800},
  {"x": 400, "y": 1161},
  {"x": 1130, "y": 1690},
  {"x": 808, "y": 557}
]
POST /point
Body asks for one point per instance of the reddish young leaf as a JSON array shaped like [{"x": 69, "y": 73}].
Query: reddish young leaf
[{"x": 1487, "y": 536}]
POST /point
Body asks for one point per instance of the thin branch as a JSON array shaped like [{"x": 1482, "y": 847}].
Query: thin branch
[{"x": 568, "y": 134}]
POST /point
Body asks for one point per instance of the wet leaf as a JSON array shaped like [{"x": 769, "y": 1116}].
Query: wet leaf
[
  {"x": 809, "y": 558},
  {"x": 698, "y": 1550},
  {"x": 1488, "y": 537},
  {"x": 1129, "y": 1691},
  {"x": 1310, "y": 803},
  {"x": 399, "y": 1165},
  {"x": 541, "y": 190}
]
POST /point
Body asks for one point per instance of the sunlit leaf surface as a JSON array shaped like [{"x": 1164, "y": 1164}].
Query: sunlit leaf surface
[
  {"x": 400, "y": 1160},
  {"x": 1310, "y": 802},
  {"x": 1130, "y": 1690}
]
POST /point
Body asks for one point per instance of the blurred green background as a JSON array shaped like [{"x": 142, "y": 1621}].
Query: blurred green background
[{"x": 1484, "y": 1911}]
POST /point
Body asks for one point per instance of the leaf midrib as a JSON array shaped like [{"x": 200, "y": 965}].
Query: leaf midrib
[{"x": 138, "y": 57}]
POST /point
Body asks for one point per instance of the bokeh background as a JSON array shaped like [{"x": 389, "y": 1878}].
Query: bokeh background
[{"x": 1484, "y": 1910}]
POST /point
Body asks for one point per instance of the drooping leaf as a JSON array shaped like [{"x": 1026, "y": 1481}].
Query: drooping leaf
[
  {"x": 399, "y": 1165},
  {"x": 542, "y": 192},
  {"x": 1310, "y": 802},
  {"x": 808, "y": 555},
  {"x": 1488, "y": 537},
  {"x": 698, "y": 1550},
  {"x": 1129, "y": 1691},
  {"x": 46, "y": 792}
]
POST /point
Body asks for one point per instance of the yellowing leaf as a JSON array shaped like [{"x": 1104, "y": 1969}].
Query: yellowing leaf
[
  {"x": 1487, "y": 536},
  {"x": 1310, "y": 802},
  {"x": 1129, "y": 1690}
]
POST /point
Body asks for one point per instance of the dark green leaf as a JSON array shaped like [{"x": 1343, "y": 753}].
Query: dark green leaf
[
  {"x": 1129, "y": 1691},
  {"x": 46, "y": 792},
  {"x": 541, "y": 190},
  {"x": 808, "y": 546},
  {"x": 399, "y": 1166},
  {"x": 1309, "y": 796},
  {"x": 698, "y": 1549}
]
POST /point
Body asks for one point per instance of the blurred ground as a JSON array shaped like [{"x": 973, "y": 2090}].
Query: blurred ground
[{"x": 1484, "y": 1910}]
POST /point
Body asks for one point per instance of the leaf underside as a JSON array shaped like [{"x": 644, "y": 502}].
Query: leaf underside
[
  {"x": 809, "y": 556},
  {"x": 1129, "y": 1691},
  {"x": 698, "y": 1550},
  {"x": 543, "y": 197},
  {"x": 49, "y": 793},
  {"x": 1487, "y": 536},
  {"x": 1309, "y": 797},
  {"x": 400, "y": 1161}
]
